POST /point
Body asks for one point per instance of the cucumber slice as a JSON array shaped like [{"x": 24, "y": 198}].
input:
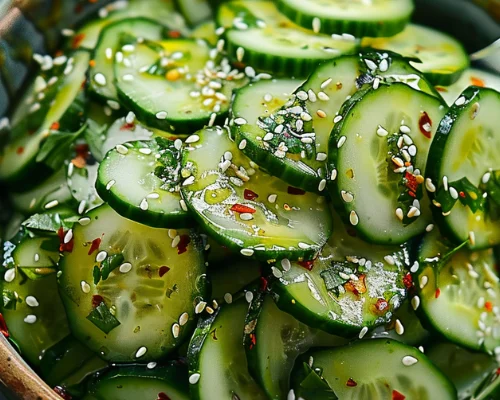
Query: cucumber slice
[
  {"x": 217, "y": 361},
  {"x": 173, "y": 85},
  {"x": 231, "y": 278},
  {"x": 18, "y": 164},
  {"x": 458, "y": 294},
  {"x": 490, "y": 388},
  {"x": 108, "y": 48},
  {"x": 358, "y": 18},
  {"x": 34, "y": 200},
  {"x": 352, "y": 286},
  {"x": 303, "y": 121},
  {"x": 162, "y": 11},
  {"x": 205, "y": 31},
  {"x": 376, "y": 133},
  {"x": 376, "y": 369},
  {"x": 467, "y": 370},
  {"x": 470, "y": 77},
  {"x": 165, "y": 381},
  {"x": 194, "y": 11},
  {"x": 140, "y": 180},
  {"x": 149, "y": 291},
  {"x": 273, "y": 342},
  {"x": 272, "y": 43},
  {"x": 31, "y": 308},
  {"x": 245, "y": 209},
  {"x": 443, "y": 59},
  {"x": 463, "y": 165},
  {"x": 81, "y": 182}
]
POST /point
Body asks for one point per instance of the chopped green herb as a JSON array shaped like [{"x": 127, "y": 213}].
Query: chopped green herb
[{"x": 102, "y": 318}]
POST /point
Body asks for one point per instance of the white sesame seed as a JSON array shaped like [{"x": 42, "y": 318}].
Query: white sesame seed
[
  {"x": 85, "y": 287},
  {"x": 51, "y": 204},
  {"x": 423, "y": 281},
  {"x": 246, "y": 216},
  {"x": 268, "y": 136},
  {"x": 113, "y": 104},
  {"x": 36, "y": 257},
  {"x": 408, "y": 361},
  {"x": 200, "y": 307},
  {"x": 460, "y": 101},
  {"x": 84, "y": 221},
  {"x": 346, "y": 196},
  {"x": 405, "y": 129},
  {"x": 151, "y": 365},
  {"x": 110, "y": 184},
  {"x": 400, "y": 330},
  {"x": 101, "y": 256},
  {"x": 370, "y": 64},
  {"x": 247, "y": 252},
  {"x": 376, "y": 83},
  {"x": 68, "y": 236},
  {"x": 242, "y": 144},
  {"x": 100, "y": 79},
  {"x": 142, "y": 350},
  {"x": 384, "y": 65},
  {"x": 250, "y": 72},
  {"x": 322, "y": 185},
  {"x": 183, "y": 319},
  {"x": 316, "y": 25},
  {"x": 303, "y": 246},
  {"x": 67, "y": 32},
  {"x": 399, "y": 213},
  {"x": 311, "y": 96},
  {"x": 301, "y": 95},
  {"x": 341, "y": 142},
  {"x": 445, "y": 183},
  {"x": 249, "y": 296},
  {"x": 272, "y": 198},
  {"x": 161, "y": 115},
  {"x": 337, "y": 119},
  {"x": 389, "y": 260},
  {"x": 285, "y": 264},
  {"x": 486, "y": 177},
  {"x": 228, "y": 298},
  {"x": 291, "y": 395},
  {"x": 240, "y": 53},
  {"x": 323, "y": 96},
  {"x": 183, "y": 205},
  {"x": 453, "y": 193},
  {"x": 120, "y": 148},
  {"x": 176, "y": 329},
  {"x": 353, "y": 218},
  {"x": 32, "y": 301},
  {"x": 363, "y": 332},
  {"x": 321, "y": 157},
  {"x": 268, "y": 97},
  {"x": 276, "y": 272},
  {"x": 175, "y": 241},
  {"x": 429, "y": 185},
  {"x": 414, "y": 268},
  {"x": 415, "y": 302},
  {"x": 30, "y": 319},
  {"x": 333, "y": 175},
  {"x": 194, "y": 378},
  {"x": 414, "y": 212},
  {"x": 125, "y": 268},
  {"x": 472, "y": 238},
  {"x": 240, "y": 121}
]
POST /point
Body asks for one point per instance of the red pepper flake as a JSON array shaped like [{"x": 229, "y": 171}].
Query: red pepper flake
[
  {"x": 475, "y": 81},
  {"x": 55, "y": 126},
  {"x": 20, "y": 150},
  {"x": 441, "y": 89},
  {"x": 351, "y": 383},
  {"x": 3, "y": 327},
  {"x": 263, "y": 283},
  {"x": 163, "y": 396},
  {"x": 381, "y": 306},
  {"x": 250, "y": 195},
  {"x": 461, "y": 194},
  {"x": 295, "y": 191},
  {"x": 127, "y": 127},
  {"x": 68, "y": 247},
  {"x": 307, "y": 264},
  {"x": 174, "y": 34},
  {"x": 82, "y": 150},
  {"x": 498, "y": 371},
  {"x": 422, "y": 124},
  {"x": 411, "y": 182},
  {"x": 183, "y": 244},
  {"x": 77, "y": 40},
  {"x": 438, "y": 293},
  {"x": 408, "y": 281},
  {"x": 489, "y": 306},
  {"x": 240, "y": 208},
  {"x": 96, "y": 300},
  {"x": 95, "y": 245},
  {"x": 253, "y": 340},
  {"x": 397, "y": 396},
  {"x": 62, "y": 393},
  {"x": 163, "y": 270}
]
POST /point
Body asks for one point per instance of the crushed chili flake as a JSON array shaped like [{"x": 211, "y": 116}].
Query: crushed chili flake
[
  {"x": 127, "y": 127},
  {"x": 68, "y": 247},
  {"x": 55, "y": 126},
  {"x": 381, "y": 306},
  {"x": 94, "y": 245},
  {"x": 475, "y": 81},
  {"x": 183, "y": 244},
  {"x": 408, "y": 281},
  {"x": 438, "y": 293},
  {"x": 250, "y": 195},
  {"x": 163, "y": 270},
  {"x": 351, "y": 383},
  {"x": 397, "y": 396},
  {"x": 62, "y": 393},
  {"x": 295, "y": 191},
  {"x": 263, "y": 283},
  {"x": 461, "y": 194},
  {"x": 96, "y": 300},
  {"x": 498, "y": 371},
  {"x": 489, "y": 306},
  {"x": 441, "y": 89},
  {"x": 82, "y": 150},
  {"x": 424, "y": 120},
  {"x": 411, "y": 182},
  {"x": 240, "y": 208},
  {"x": 163, "y": 396},
  {"x": 20, "y": 150},
  {"x": 253, "y": 340},
  {"x": 357, "y": 287},
  {"x": 77, "y": 40},
  {"x": 307, "y": 264},
  {"x": 92, "y": 63},
  {"x": 79, "y": 162},
  {"x": 3, "y": 327},
  {"x": 174, "y": 34}
]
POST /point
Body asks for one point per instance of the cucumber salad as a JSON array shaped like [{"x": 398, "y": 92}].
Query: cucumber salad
[{"x": 255, "y": 199}]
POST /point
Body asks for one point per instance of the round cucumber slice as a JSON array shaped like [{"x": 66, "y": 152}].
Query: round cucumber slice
[
  {"x": 470, "y": 77},
  {"x": 140, "y": 180},
  {"x": 443, "y": 59},
  {"x": 352, "y": 286},
  {"x": 174, "y": 85},
  {"x": 127, "y": 288},
  {"x": 246, "y": 209},
  {"x": 458, "y": 294},
  {"x": 358, "y": 18},
  {"x": 377, "y": 369},
  {"x": 274, "y": 340},
  {"x": 217, "y": 360},
  {"x": 131, "y": 382},
  {"x": 260, "y": 36},
  {"x": 463, "y": 170},
  {"x": 377, "y": 155}
]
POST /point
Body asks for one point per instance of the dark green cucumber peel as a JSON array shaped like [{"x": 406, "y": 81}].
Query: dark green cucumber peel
[
  {"x": 155, "y": 178},
  {"x": 477, "y": 207},
  {"x": 359, "y": 26}
]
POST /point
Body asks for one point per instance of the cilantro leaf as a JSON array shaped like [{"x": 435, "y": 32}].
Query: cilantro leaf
[{"x": 102, "y": 318}]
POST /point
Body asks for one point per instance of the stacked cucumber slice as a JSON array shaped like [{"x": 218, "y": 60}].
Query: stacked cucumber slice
[{"x": 252, "y": 199}]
